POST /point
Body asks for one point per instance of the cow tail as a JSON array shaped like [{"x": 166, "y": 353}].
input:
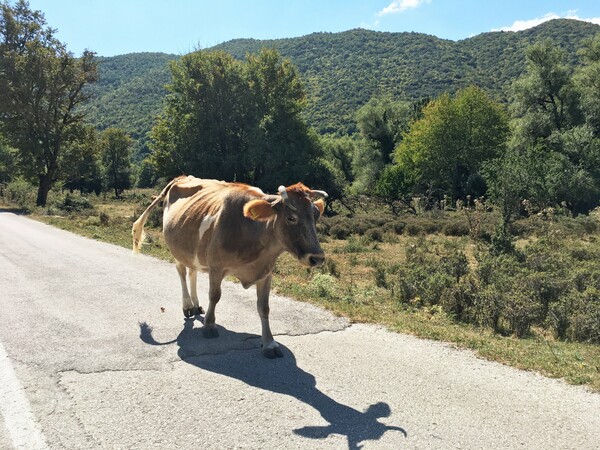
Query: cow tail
[{"x": 137, "y": 230}]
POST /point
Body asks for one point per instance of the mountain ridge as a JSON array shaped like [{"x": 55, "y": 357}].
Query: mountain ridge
[{"x": 342, "y": 71}]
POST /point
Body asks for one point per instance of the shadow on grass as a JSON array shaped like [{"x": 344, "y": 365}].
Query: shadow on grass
[{"x": 231, "y": 358}]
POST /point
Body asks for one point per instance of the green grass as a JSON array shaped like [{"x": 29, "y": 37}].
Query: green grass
[{"x": 358, "y": 282}]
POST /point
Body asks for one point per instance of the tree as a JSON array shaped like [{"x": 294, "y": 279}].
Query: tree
[
  {"x": 587, "y": 82},
  {"x": 147, "y": 175},
  {"x": 544, "y": 100},
  {"x": 7, "y": 162},
  {"x": 444, "y": 150},
  {"x": 41, "y": 90},
  {"x": 381, "y": 123},
  {"x": 81, "y": 169},
  {"x": 237, "y": 121},
  {"x": 554, "y": 136},
  {"x": 282, "y": 148},
  {"x": 116, "y": 159},
  {"x": 204, "y": 127}
]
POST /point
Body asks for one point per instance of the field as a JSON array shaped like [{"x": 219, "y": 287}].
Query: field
[{"x": 438, "y": 275}]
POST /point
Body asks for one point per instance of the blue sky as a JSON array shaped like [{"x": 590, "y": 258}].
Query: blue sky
[{"x": 114, "y": 27}]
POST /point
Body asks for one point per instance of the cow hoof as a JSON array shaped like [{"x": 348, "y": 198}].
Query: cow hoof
[
  {"x": 210, "y": 333},
  {"x": 272, "y": 353},
  {"x": 188, "y": 313}
]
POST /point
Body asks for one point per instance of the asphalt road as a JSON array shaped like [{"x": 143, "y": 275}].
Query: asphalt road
[{"x": 88, "y": 359}]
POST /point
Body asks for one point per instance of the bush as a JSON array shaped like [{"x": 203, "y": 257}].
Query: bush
[
  {"x": 21, "y": 193},
  {"x": 339, "y": 231},
  {"x": 374, "y": 234},
  {"x": 73, "y": 203},
  {"x": 395, "y": 226},
  {"x": 456, "y": 228},
  {"x": 104, "y": 219}
]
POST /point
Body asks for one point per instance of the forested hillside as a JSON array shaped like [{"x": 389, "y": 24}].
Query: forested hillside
[
  {"x": 129, "y": 93},
  {"x": 342, "y": 71}
]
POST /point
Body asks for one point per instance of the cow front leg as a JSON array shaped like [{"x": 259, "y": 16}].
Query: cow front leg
[
  {"x": 214, "y": 295},
  {"x": 193, "y": 276},
  {"x": 186, "y": 300},
  {"x": 270, "y": 348}
]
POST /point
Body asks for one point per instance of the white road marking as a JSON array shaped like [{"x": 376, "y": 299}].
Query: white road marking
[{"x": 15, "y": 409}]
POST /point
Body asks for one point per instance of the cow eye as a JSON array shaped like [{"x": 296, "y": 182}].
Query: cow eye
[{"x": 292, "y": 219}]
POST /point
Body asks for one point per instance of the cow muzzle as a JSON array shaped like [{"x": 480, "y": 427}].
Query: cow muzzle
[{"x": 315, "y": 259}]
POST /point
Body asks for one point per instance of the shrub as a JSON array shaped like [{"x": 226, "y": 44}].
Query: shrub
[
  {"x": 339, "y": 231},
  {"x": 104, "y": 219},
  {"x": 73, "y": 203},
  {"x": 395, "y": 226},
  {"x": 21, "y": 193},
  {"x": 374, "y": 234},
  {"x": 455, "y": 228}
]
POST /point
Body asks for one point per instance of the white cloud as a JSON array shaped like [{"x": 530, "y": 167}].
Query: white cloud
[
  {"x": 520, "y": 25},
  {"x": 398, "y": 6}
]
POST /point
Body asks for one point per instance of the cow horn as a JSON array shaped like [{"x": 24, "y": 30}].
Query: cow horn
[
  {"x": 282, "y": 192},
  {"x": 318, "y": 194},
  {"x": 284, "y": 197}
]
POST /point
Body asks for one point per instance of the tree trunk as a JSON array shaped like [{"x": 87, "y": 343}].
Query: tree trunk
[{"x": 43, "y": 189}]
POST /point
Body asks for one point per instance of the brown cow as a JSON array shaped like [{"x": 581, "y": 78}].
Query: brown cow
[{"x": 235, "y": 229}]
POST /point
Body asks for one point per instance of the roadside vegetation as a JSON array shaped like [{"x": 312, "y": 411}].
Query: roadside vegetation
[
  {"x": 437, "y": 275},
  {"x": 466, "y": 217}
]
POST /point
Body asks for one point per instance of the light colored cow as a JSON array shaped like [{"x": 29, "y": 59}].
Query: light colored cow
[{"x": 235, "y": 229}]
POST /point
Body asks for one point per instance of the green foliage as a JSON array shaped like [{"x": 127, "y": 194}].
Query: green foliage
[
  {"x": 237, "y": 121},
  {"x": 116, "y": 158},
  {"x": 381, "y": 123},
  {"x": 544, "y": 286},
  {"x": 554, "y": 152},
  {"x": 324, "y": 285},
  {"x": 129, "y": 95},
  {"x": 72, "y": 204},
  {"x": 544, "y": 99},
  {"x": 587, "y": 80},
  {"x": 444, "y": 151},
  {"x": 341, "y": 72},
  {"x": 8, "y": 162},
  {"x": 82, "y": 169},
  {"x": 148, "y": 174},
  {"x": 37, "y": 74},
  {"x": 20, "y": 192}
]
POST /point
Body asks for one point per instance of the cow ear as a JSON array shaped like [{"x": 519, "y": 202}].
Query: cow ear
[
  {"x": 260, "y": 210},
  {"x": 320, "y": 204}
]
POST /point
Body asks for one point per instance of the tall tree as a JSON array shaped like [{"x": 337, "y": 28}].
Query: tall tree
[
  {"x": 444, "y": 150},
  {"x": 81, "y": 168},
  {"x": 7, "y": 163},
  {"x": 41, "y": 88},
  {"x": 381, "y": 122},
  {"x": 587, "y": 82},
  {"x": 554, "y": 154},
  {"x": 116, "y": 159},
  {"x": 544, "y": 99},
  {"x": 237, "y": 121},
  {"x": 203, "y": 129},
  {"x": 282, "y": 149}
]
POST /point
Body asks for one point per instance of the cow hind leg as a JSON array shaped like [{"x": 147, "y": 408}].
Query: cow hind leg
[
  {"x": 214, "y": 295},
  {"x": 270, "y": 348},
  {"x": 186, "y": 300},
  {"x": 193, "y": 276}
]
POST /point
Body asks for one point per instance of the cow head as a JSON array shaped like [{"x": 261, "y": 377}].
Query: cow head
[{"x": 295, "y": 212}]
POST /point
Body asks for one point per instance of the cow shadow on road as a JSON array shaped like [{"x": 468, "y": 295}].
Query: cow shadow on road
[{"x": 231, "y": 358}]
